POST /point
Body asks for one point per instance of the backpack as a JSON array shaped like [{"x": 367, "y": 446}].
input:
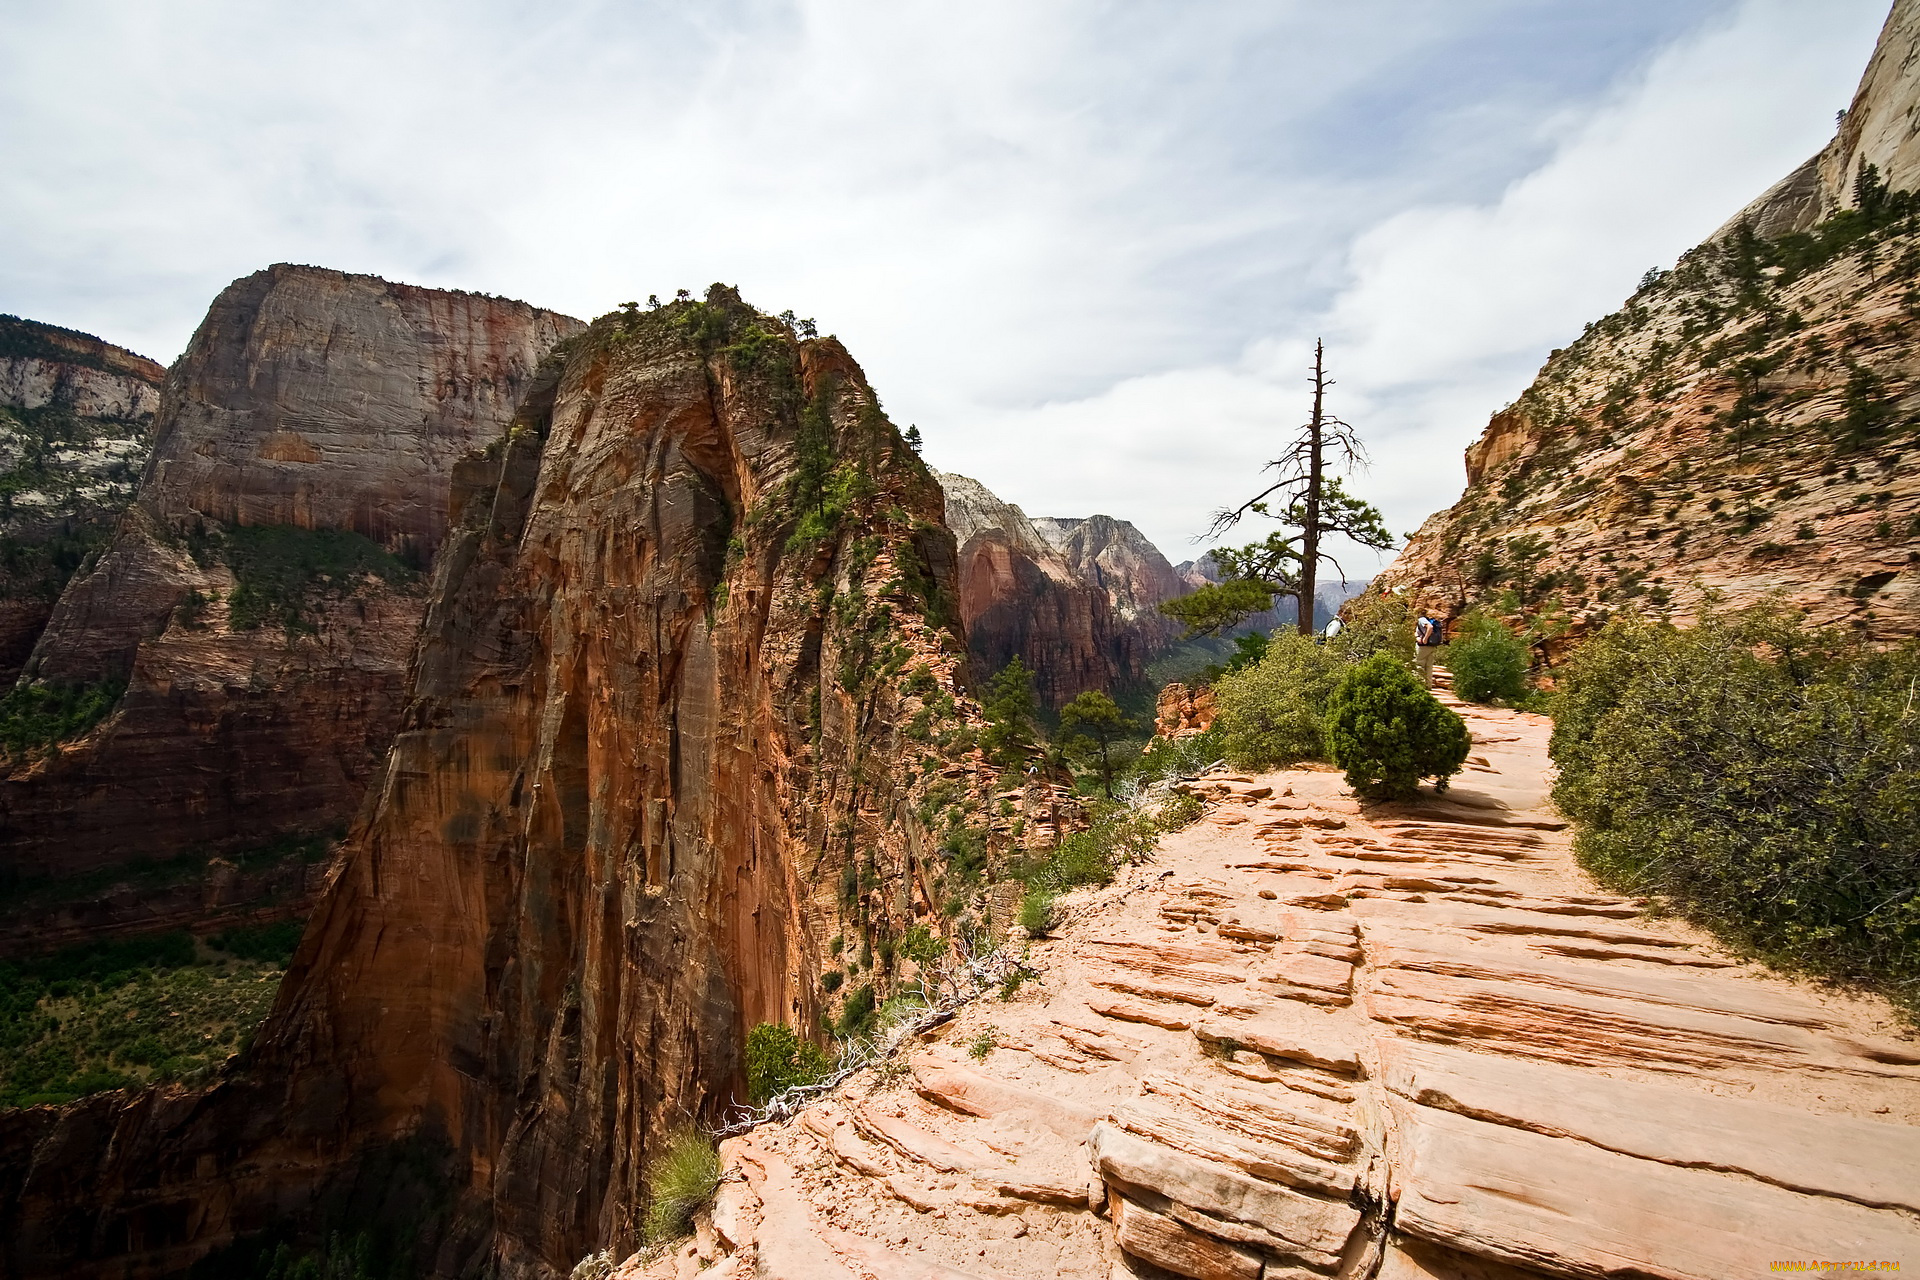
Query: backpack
[{"x": 1426, "y": 632}]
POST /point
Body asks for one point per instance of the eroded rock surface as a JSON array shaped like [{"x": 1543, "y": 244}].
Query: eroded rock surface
[
  {"x": 76, "y": 421},
  {"x": 1314, "y": 1040},
  {"x": 307, "y": 398}
]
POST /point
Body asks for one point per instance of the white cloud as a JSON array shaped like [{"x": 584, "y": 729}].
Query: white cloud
[
  {"x": 1083, "y": 245},
  {"x": 1447, "y": 309}
]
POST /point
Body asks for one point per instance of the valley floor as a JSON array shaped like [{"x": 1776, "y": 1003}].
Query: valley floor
[{"x": 1313, "y": 1040}]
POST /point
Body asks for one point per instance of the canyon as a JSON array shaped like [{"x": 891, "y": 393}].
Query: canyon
[
  {"x": 631, "y": 667},
  {"x": 1075, "y": 599},
  {"x": 1738, "y": 431},
  {"x": 255, "y": 605},
  {"x": 660, "y": 748}
]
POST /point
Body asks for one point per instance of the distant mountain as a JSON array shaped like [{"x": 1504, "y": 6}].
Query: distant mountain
[{"x": 1075, "y": 598}]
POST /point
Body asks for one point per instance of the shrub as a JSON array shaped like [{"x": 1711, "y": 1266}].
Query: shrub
[
  {"x": 1374, "y": 623},
  {"x": 859, "y": 1013},
  {"x": 1488, "y": 662},
  {"x": 1037, "y": 910},
  {"x": 1761, "y": 775},
  {"x": 273, "y": 943},
  {"x": 1388, "y": 733},
  {"x": 1169, "y": 758},
  {"x": 1272, "y": 713},
  {"x": 679, "y": 1180},
  {"x": 280, "y": 567},
  {"x": 778, "y": 1060},
  {"x": 35, "y": 716},
  {"x": 1117, "y": 835}
]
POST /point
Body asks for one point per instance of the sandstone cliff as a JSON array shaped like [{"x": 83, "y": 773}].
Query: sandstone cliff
[
  {"x": 1074, "y": 599},
  {"x": 1314, "y": 1040},
  {"x": 260, "y": 597},
  {"x": 1737, "y": 428},
  {"x": 76, "y": 421},
  {"x": 687, "y": 730}
]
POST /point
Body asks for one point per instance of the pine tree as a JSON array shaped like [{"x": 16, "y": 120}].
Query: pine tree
[
  {"x": 1012, "y": 713},
  {"x": 1304, "y": 498}
]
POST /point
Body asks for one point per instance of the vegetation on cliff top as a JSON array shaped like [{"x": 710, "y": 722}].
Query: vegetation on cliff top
[
  {"x": 1760, "y": 775},
  {"x": 1758, "y": 377},
  {"x": 280, "y": 569},
  {"x": 34, "y": 718},
  {"x": 118, "y": 1014}
]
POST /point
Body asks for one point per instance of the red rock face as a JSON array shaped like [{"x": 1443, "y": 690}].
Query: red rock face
[
  {"x": 1074, "y": 599},
  {"x": 311, "y": 398},
  {"x": 652, "y": 730}
]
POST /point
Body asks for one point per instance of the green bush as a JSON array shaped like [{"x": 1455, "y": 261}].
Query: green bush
[
  {"x": 34, "y": 717},
  {"x": 1763, "y": 776},
  {"x": 679, "y": 1180},
  {"x": 1374, "y": 623},
  {"x": 1167, "y": 759},
  {"x": 1037, "y": 910},
  {"x": 1118, "y": 835},
  {"x": 778, "y": 1060},
  {"x": 1272, "y": 713},
  {"x": 273, "y": 943},
  {"x": 860, "y": 1013},
  {"x": 1489, "y": 663},
  {"x": 1388, "y": 733}
]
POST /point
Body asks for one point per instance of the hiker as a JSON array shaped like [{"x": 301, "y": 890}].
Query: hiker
[
  {"x": 1332, "y": 630},
  {"x": 1428, "y": 636}
]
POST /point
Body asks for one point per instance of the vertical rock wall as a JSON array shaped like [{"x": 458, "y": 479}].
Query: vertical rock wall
[
  {"x": 1074, "y": 599},
  {"x": 656, "y": 756},
  {"x": 307, "y": 398}
]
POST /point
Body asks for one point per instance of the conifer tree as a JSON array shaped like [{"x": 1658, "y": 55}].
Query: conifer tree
[{"x": 1305, "y": 498}]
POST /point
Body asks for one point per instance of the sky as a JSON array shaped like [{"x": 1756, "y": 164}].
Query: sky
[{"x": 1085, "y": 245}]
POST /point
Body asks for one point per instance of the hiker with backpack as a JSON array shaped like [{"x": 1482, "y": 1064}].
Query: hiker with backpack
[{"x": 1429, "y": 634}]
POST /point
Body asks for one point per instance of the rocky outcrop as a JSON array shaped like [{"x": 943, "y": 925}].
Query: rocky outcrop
[
  {"x": 1311, "y": 1040},
  {"x": 1181, "y": 712},
  {"x": 1737, "y": 429},
  {"x": 1876, "y": 129},
  {"x": 260, "y": 597},
  {"x": 1074, "y": 599},
  {"x": 680, "y": 731},
  {"x": 76, "y": 421}
]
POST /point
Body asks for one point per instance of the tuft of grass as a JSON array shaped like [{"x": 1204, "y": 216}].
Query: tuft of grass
[
  {"x": 983, "y": 1043},
  {"x": 1037, "y": 910},
  {"x": 680, "y": 1179}
]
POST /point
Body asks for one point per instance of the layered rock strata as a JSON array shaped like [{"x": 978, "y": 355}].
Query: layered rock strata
[
  {"x": 264, "y": 674},
  {"x": 1311, "y": 1040},
  {"x": 680, "y": 740},
  {"x": 1739, "y": 428},
  {"x": 1075, "y": 599},
  {"x": 76, "y": 421}
]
